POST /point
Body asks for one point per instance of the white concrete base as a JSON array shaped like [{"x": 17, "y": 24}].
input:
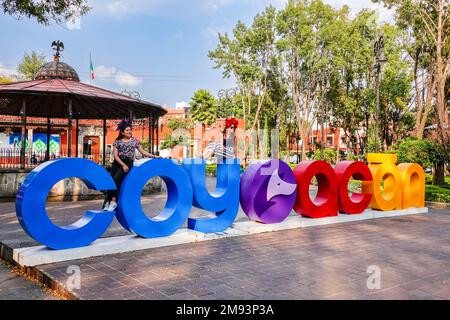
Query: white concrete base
[
  {"x": 229, "y": 233},
  {"x": 34, "y": 256},
  {"x": 397, "y": 213},
  {"x": 341, "y": 218},
  {"x": 252, "y": 227},
  {"x": 40, "y": 255}
]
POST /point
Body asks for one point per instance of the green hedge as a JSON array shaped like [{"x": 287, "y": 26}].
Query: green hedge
[
  {"x": 429, "y": 180},
  {"x": 437, "y": 194},
  {"x": 432, "y": 193},
  {"x": 211, "y": 169}
]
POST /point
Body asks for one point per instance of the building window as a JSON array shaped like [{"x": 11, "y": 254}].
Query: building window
[
  {"x": 330, "y": 141},
  {"x": 87, "y": 148}
]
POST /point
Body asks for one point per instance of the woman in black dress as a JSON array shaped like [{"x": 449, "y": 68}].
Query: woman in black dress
[{"x": 124, "y": 149}]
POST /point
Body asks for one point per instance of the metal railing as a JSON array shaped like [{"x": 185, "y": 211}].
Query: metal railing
[{"x": 10, "y": 157}]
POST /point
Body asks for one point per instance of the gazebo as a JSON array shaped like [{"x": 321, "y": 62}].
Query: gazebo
[{"x": 56, "y": 92}]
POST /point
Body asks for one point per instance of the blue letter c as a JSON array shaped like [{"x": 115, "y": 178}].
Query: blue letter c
[{"x": 32, "y": 196}]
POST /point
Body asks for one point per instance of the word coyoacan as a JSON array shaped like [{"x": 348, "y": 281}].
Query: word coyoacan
[{"x": 267, "y": 192}]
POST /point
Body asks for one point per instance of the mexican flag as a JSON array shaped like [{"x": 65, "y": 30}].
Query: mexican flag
[{"x": 91, "y": 68}]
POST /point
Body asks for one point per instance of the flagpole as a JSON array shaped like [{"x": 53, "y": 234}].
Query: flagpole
[{"x": 90, "y": 71}]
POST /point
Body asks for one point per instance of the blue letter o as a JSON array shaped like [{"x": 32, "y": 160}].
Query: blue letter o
[{"x": 178, "y": 205}]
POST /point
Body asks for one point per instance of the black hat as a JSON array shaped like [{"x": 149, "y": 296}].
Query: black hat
[{"x": 123, "y": 124}]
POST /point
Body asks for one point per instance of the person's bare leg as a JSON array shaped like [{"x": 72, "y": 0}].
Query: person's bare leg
[{"x": 113, "y": 204}]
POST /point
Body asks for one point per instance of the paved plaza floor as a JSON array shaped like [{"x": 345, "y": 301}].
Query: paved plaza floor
[
  {"x": 65, "y": 213},
  {"x": 410, "y": 254},
  {"x": 16, "y": 287}
]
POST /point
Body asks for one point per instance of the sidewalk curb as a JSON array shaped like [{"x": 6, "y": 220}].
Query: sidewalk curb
[
  {"x": 438, "y": 205},
  {"x": 36, "y": 274}
]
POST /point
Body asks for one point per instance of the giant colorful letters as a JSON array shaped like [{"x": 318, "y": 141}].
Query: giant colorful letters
[{"x": 268, "y": 192}]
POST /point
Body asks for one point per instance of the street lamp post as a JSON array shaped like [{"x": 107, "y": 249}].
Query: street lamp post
[
  {"x": 380, "y": 60},
  {"x": 142, "y": 122},
  {"x": 132, "y": 94}
]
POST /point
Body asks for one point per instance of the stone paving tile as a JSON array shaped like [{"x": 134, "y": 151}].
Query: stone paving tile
[
  {"x": 329, "y": 262},
  {"x": 16, "y": 287},
  {"x": 308, "y": 263}
]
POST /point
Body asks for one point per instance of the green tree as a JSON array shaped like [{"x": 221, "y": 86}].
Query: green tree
[
  {"x": 175, "y": 124},
  {"x": 169, "y": 142},
  {"x": 30, "y": 64},
  {"x": 396, "y": 119},
  {"x": 230, "y": 106},
  {"x": 305, "y": 30},
  {"x": 4, "y": 79},
  {"x": 415, "y": 151},
  {"x": 247, "y": 56},
  {"x": 426, "y": 153},
  {"x": 311, "y": 61},
  {"x": 351, "y": 93},
  {"x": 428, "y": 22},
  {"x": 45, "y": 12},
  {"x": 329, "y": 155},
  {"x": 276, "y": 108},
  {"x": 204, "y": 107}
]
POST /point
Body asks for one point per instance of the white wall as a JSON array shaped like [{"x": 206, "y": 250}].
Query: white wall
[{"x": 4, "y": 141}]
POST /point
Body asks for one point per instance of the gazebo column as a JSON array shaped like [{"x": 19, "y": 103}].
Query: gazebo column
[
  {"x": 153, "y": 136},
  {"x": 69, "y": 129},
  {"x": 77, "y": 134},
  {"x": 47, "y": 152},
  {"x": 150, "y": 135},
  {"x": 104, "y": 142},
  {"x": 130, "y": 113},
  {"x": 30, "y": 141},
  {"x": 23, "y": 114},
  {"x": 157, "y": 135}
]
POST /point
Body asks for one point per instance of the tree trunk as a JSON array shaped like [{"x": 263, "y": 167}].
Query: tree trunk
[
  {"x": 419, "y": 134},
  {"x": 260, "y": 138},
  {"x": 428, "y": 101},
  {"x": 288, "y": 142},
  {"x": 338, "y": 149},
  {"x": 439, "y": 175},
  {"x": 304, "y": 136},
  {"x": 245, "y": 127},
  {"x": 441, "y": 78}
]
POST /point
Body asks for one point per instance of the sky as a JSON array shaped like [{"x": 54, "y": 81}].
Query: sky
[{"x": 158, "y": 48}]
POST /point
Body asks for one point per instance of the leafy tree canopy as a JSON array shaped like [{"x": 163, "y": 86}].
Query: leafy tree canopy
[
  {"x": 175, "y": 124},
  {"x": 30, "y": 64},
  {"x": 4, "y": 80},
  {"x": 204, "y": 107},
  {"x": 424, "y": 152},
  {"x": 45, "y": 12},
  {"x": 329, "y": 155}
]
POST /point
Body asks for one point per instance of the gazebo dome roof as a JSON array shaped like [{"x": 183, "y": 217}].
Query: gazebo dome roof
[
  {"x": 57, "y": 70},
  {"x": 57, "y": 85}
]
